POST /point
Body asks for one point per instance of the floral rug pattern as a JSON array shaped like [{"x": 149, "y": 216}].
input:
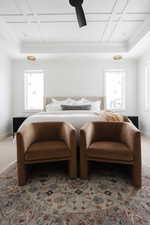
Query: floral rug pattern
[{"x": 51, "y": 198}]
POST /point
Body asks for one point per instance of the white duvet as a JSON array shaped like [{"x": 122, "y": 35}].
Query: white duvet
[{"x": 76, "y": 118}]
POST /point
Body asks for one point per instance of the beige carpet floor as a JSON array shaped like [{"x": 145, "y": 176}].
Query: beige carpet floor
[{"x": 8, "y": 152}]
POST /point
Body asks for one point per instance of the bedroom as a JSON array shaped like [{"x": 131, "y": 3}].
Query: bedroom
[{"x": 69, "y": 61}]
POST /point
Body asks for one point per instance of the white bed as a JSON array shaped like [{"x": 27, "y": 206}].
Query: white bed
[{"x": 76, "y": 117}]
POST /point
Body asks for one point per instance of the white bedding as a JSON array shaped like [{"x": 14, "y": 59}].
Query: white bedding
[{"x": 76, "y": 118}]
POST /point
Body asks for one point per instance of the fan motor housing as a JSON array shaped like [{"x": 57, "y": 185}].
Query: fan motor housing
[{"x": 76, "y": 3}]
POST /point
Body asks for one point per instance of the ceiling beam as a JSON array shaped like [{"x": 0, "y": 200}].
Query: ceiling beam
[
  {"x": 71, "y": 14},
  {"x": 113, "y": 12},
  {"x": 73, "y": 21},
  {"x": 119, "y": 20}
]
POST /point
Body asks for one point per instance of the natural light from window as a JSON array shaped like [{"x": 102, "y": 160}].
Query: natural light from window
[
  {"x": 34, "y": 90},
  {"x": 115, "y": 89},
  {"x": 147, "y": 87}
]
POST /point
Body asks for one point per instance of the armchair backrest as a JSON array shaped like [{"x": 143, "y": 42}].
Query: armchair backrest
[
  {"x": 107, "y": 131},
  {"x": 47, "y": 131}
]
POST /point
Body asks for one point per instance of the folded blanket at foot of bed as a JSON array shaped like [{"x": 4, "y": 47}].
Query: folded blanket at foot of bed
[{"x": 109, "y": 116}]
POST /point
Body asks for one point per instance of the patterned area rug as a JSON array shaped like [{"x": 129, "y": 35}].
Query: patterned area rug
[{"x": 51, "y": 198}]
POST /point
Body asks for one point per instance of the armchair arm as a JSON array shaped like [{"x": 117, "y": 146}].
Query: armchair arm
[
  {"x": 68, "y": 134},
  {"x": 131, "y": 136},
  {"x": 86, "y": 135},
  {"x": 25, "y": 137}
]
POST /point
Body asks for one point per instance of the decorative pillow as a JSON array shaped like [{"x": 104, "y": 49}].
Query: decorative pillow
[
  {"x": 60, "y": 102},
  {"x": 96, "y": 106},
  {"x": 76, "y": 107},
  {"x": 56, "y": 105},
  {"x": 81, "y": 101},
  {"x": 53, "y": 107}
]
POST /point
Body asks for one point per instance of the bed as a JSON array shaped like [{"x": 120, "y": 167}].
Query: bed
[{"x": 76, "y": 117}]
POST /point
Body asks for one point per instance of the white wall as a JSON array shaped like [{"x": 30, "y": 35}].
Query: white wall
[
  {"x": 143, "y": 114},
  {"x": 73, "y": 75},
  {"x": 5, "y": 94}
]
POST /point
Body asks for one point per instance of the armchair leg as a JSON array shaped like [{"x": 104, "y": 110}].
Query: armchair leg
[
  {"x": 136, "y": 175},
  {"x": 83, "y": 168},
  {"x": 22, "y": 174},
  {"x": 72, "y": 164}
]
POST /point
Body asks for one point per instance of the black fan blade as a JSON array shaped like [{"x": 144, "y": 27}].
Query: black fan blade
[{"x": 80, "y": 16}]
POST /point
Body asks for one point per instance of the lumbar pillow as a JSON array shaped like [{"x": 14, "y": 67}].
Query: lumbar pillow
[{"x": 76, "y": 107}]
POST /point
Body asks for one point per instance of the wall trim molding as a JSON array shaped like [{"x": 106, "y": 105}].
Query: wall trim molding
[{"x": 73, "y": 47}]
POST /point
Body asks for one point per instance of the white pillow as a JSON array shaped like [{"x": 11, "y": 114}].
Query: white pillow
[
  {"x": 81, "y": 101},
  {"x": 56, "y": 104},
  {"x": 53, "y": 107},
  {"x": 96, "y": 106},
  {"x": 61, "y": 102}
]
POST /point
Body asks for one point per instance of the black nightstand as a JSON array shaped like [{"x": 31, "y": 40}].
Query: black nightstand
[
  {"x": 134, "y": 120},
  {"x": 17, "y": 121}
]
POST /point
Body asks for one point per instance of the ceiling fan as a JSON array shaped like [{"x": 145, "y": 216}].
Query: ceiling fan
[{"x": 79, "y": 12}]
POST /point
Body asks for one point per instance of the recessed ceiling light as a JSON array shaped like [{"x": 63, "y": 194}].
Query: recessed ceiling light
[
  {"x": 117, "y": 57},
  {"x": 31, "y": 58}
]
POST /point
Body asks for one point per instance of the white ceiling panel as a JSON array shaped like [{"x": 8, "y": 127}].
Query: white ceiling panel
[
  {"x": 49, "y": 6},
  {"x": 99, "y": 6},
  {"x": 63, "y": 6},
  {"x": 68, "y": 32},
  {"x": 135, "y": 16},
  {"x": 139, "y": 6},
  {"x": 8, "y": 6},
  {"x": 54, "y": 32},
  {"x": 23, "y": 6},
  {"x": 121, "y": 5},
  {"x": 124, "y": 32},
  {"x": 55, "y": 21},
  {"x": 25, "y": 31}
]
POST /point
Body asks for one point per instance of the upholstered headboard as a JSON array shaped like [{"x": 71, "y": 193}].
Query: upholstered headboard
[{"x": 48, "y": 100}]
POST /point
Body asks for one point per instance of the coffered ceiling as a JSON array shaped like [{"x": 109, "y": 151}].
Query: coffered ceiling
[{"x": 112, "y": 24}]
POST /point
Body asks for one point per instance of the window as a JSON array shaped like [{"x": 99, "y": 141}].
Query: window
[
  {"x": 147, "y": 87},
  {"x": 115, "y": 89},
  {"x": 34, "y": 90}
]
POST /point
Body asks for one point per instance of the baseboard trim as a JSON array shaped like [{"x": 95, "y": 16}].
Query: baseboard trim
[
  {"x": 147, "y": 135},
  {"x": 4, "y": 135},
  {"x": 9, "y": 165}
]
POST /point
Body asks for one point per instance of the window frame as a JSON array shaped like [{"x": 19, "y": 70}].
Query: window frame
[
  {"x": 124, "y": 89},
  {"x": 33, "y": 71}
]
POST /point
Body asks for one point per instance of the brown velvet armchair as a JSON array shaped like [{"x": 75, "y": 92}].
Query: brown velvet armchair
[
  {"x": 113, "y": 142},
  {"x": 45, "y": 142}
]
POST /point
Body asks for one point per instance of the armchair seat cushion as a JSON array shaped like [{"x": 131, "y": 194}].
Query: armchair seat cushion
[
  {"x": 44, "y": 150},
  {"x": 110, "y": 150}
]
